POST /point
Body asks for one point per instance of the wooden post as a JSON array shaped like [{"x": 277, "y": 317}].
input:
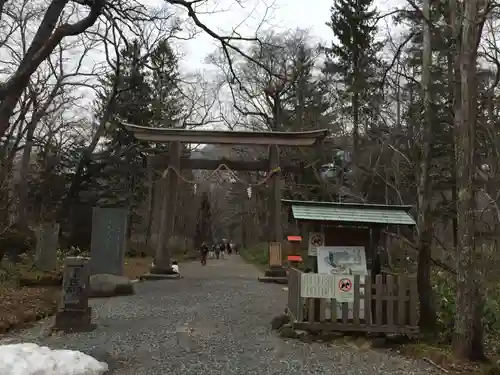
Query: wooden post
[{"x": 163, "y": 251}]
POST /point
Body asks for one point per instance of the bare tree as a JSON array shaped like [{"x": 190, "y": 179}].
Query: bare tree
[
  {"x": 52, "y": 28},
  {"x": 53, "y": 89}
]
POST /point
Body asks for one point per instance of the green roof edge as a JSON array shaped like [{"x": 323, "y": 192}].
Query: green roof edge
[{"x": 405, "y": 208}]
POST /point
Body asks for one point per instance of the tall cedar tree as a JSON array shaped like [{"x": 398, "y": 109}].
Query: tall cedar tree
[
  {"x": 148, "y": 95},
  {"x": 167, "y": 103},
  {"x": 133, "y": 101},
  {"x": 352, "y": 57}
]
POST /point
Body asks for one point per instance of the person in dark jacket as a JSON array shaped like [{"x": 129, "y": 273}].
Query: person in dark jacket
[
  {"x": 217, "y": 251},
  {"x": 204, "y": 253},
  {"x": 229, "y": 248},
  {"x": 222, "y": 249}
]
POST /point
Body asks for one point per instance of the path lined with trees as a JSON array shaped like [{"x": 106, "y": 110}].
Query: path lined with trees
[{"x": 216, "y": 320}]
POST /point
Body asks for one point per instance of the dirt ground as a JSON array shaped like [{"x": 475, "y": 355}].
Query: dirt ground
[{"x": 39, "y": 295}]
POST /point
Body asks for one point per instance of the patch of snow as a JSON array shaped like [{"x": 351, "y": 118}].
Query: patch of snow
[{"x": 31, "y": 359}]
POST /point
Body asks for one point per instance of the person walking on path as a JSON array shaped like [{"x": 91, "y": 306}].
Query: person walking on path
[
  {"x": 204, "y": 253},
  {"x": 222, "y": 248}
]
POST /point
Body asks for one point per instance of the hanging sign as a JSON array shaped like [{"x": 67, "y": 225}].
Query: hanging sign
[
  {"x": 315, "y": 240},
  {"x": 314, "y": 285},
  {"x": 338, "y": 287},
  {"x": 345, "y": 288}
]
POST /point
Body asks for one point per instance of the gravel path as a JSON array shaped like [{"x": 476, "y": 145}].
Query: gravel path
[{"x": 216, "y": 320}]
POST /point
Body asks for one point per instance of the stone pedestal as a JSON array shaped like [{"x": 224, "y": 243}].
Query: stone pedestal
[
  {"x": 160, "y": 273},
  {"x": 74, "y": 312},
  {"x": 159, "y": 276},
  {"x": 275, "y": 271},
  {"x": 73, "y": 321},
  {"x": 275, "y": 274}
]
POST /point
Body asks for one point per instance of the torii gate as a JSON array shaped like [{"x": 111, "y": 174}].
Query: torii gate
[{"x": 176, "y": 137}]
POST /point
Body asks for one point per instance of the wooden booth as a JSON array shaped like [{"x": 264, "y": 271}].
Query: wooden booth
[{"x": 348, "y": 292}]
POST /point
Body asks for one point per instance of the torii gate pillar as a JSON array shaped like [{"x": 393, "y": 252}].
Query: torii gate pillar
[
  {"x": 275, "y": 272},
  {"x": 163, "y": 261}
]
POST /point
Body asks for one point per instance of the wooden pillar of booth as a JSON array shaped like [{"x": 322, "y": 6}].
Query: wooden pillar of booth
[
  {"x": 275, "y": 270},
  {"x": 163, "y": 259}
]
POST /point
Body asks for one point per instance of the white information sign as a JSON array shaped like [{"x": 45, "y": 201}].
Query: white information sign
[
  {"x": 344, "y": 261},
  {"x": 335, "y": 260},
  {"x": 316, "y": 240},
  {"x": 314, "y": 285},
  {"x": 339, "y": 287}
]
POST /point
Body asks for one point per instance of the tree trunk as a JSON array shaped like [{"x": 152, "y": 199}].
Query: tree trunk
[
  {"x": 23, "y": 189},
  {"x": 454, "y": 96},
  {"x": 467, "y": 341},
  {"x": 427, "y": 307}
]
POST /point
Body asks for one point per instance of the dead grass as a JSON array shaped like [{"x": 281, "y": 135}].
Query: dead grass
[
  {"x": 28, "y": 295},
  {"x": 23, "y": 305},
  {"x": 135, "y": 267},
  {"x": 441, "y": 357}
]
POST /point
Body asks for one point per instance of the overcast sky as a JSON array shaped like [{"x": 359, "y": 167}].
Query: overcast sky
[{"x": 247, "y": 15}]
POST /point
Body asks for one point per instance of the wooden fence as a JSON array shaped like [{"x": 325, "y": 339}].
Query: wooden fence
[{"x": 388, "y": 305}]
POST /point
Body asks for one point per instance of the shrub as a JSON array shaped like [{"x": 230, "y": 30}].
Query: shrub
[{"x": 445, "y": 290}]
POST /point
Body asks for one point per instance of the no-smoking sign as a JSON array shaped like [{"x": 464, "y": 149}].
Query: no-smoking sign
[
  {"x": 345, "y": 285},
  {"x": 315, "y": 240}
]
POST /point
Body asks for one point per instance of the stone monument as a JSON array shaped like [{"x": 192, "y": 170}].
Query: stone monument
[
  {"x": 109, "y": 231},
  {"x": 74, "y": 313},
  {"x": 47, "y": 243}
]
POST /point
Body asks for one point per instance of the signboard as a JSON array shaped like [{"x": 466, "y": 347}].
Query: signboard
[
  {"x": 345, "y": 288},
  {"x": 315, "y": 240},
  {"x": 344, "y": 260},
  {"x": 275, "y": 257},
  {"x": 338, "y": 287},
  {"x": 74, "y": 289},
  {"x": 314, "y": 285},
  {"x": 75, "y": 283}
]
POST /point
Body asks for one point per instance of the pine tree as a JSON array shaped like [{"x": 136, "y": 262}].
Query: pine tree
[
  {"x": 148, "y": 95},
  {"x": 167, "y": 102},
  {"x": 132, "y": 103},
  {"x": 353, "y": 59},
  {"x": 305, "y": 104}
]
